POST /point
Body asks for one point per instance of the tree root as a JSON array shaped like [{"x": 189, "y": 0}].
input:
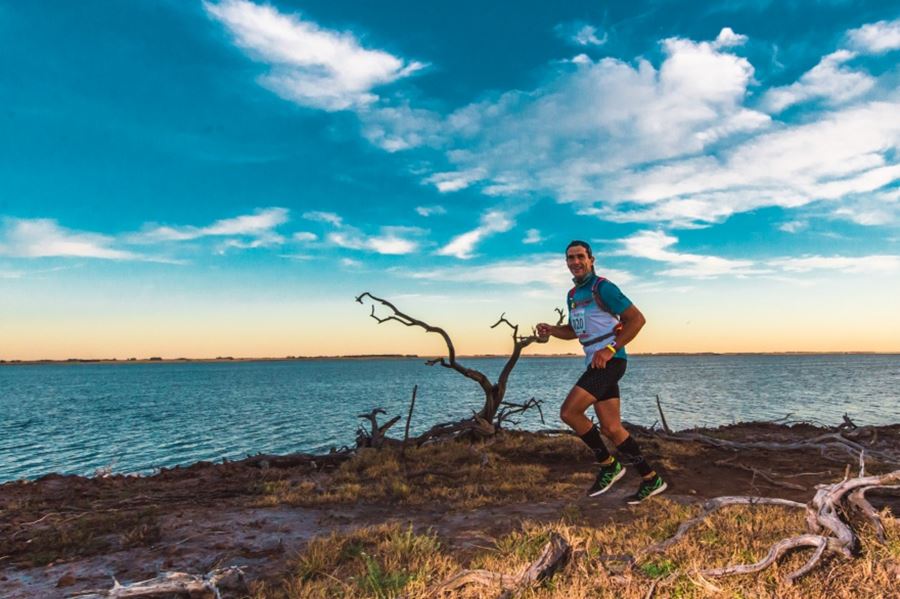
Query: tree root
[
  {"x": 827, "y": 519},
  {"x": 553, "y": 557},
  {"x": 174, "y": 583}
]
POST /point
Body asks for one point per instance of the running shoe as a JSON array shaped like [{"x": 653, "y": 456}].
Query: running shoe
[
  {"x": 648, "y": 489},
  {"x": 606, "y": 477}
]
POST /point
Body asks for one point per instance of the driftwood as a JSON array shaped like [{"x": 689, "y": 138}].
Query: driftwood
[
  {"x": 493, "y": 392},
  {"x": 509, "y": 408},
  {"x": 827, "y": 519},
  {"x": 175, "y": 583},
  {"x": 843, "y": 438},
  {"x": 375, "y": 437},
  {"x": 553, "y": 557}
]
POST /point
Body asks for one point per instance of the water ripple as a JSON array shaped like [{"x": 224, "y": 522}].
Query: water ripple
[{"x": 139, "y": 417}]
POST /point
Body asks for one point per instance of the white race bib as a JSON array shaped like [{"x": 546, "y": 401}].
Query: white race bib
[{"x": 576, "y": 321}]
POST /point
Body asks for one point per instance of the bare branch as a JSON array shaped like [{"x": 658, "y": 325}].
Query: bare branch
[
  {"x": 715, "y": 504},
  {"x": 662, "y": 416},
  {"x": 412, "y": 404}
]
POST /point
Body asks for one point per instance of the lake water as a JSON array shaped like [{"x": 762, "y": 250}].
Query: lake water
[{"x": 75, "y": 418}]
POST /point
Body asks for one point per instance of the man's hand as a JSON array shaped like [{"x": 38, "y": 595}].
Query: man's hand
[
  {"x": 601, "y": 357},
  {"x": 544, "y": 331}
]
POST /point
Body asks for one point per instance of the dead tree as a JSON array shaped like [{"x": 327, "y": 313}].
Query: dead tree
[
  {"x": 828, "y": 519},
  {"x": 493, "y": 392}
]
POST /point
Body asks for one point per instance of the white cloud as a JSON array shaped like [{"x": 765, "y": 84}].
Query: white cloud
[
  {"x": 311, "y": 66},
  {"x": 880, "y": 208},
  {"x": 350, "y": 263},
  {"x": 324, "y": 217},
  {"x": 828, "y": 80},
  {"x": 430, "y": 210},
  {"x": 793, "y": 226},
  {"x": 874, "y": 264},
  {"x": 400, "y": 127},
  {"x": 390, "y": 240},
  {"x": 842, "y": 153},
  {"x": 727, "y": 38},
  {"x": 462, "y": 246},
  {"x": 655, "y": 245},
  {"x": 304, "y": 236},
  {"x": 545, "y": 270},
  {"x": 455, "y": 181},
  {"x": 580, "y": 34},
  {"x": 574, "y": 135},
  {"x": 876, "y": 38},
  {"x": 259, "y": 226},
  {"x": 532, "y": 236},
  {"x": 43, "y": 238}
]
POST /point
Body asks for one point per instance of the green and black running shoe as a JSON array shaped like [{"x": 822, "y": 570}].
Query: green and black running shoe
[
  {"x": 606, "y": 477},
  {"x": 648, "y": 489}
]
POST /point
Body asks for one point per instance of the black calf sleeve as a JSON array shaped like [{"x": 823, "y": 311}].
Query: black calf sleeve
[
  {"x": 633, "y": 457},
  {"x": 593, "y": 440}
]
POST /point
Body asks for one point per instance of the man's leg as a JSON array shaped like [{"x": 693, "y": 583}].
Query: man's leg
[
  {"x": 610, "y": 416},
  {"x": 572, "y": 413}
]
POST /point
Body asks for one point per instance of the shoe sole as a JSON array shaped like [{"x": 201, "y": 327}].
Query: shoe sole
[
  {"x": 609, "y": 486},
  {"x": 661, "y": 488}
]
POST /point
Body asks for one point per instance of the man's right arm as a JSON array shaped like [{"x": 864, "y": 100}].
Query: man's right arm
[{"x": 564, "y": 331}]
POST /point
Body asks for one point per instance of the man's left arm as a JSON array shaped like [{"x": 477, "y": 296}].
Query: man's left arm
[{"x": 632, "y": 322}]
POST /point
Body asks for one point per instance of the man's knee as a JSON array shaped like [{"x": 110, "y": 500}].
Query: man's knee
[
  {"x": 612, "y": 431},
  {"x": 569, "y": 414}
]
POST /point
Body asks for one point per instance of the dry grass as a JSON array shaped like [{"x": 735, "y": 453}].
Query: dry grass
[
  {"x": 458, "y": 475},
  {"x": 377, "y": 562},
  {"x": 390, "y": 560},
  {"x": 85, "y": 534}
]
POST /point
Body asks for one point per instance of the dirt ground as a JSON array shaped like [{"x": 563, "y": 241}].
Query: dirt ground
[{"x": 61, "y": 535}]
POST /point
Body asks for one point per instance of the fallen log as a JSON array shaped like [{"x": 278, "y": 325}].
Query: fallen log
[
  {"x": 554, "y": 556},
  {"x": 175, "y": 583}
]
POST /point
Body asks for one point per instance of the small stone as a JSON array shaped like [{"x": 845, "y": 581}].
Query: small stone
[{"x": 66, "y": 580}]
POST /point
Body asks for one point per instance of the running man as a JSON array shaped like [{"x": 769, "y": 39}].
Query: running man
[{"x": 604, "y": 321}]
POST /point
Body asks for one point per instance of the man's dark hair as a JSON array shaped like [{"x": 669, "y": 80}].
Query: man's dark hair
[{"x": 584, "y": 244}]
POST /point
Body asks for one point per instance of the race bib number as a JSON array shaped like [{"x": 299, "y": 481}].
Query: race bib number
[{"x": 576, "y": 321}]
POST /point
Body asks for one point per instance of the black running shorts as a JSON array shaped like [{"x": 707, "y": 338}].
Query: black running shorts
[{"x": 603, "y": 383}]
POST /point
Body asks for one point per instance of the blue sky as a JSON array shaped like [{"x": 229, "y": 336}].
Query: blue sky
[{"x": 199, "y": 178}]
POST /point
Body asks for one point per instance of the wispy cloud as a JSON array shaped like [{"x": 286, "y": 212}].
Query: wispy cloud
[
  {"x": 873, "y": 264},
  {"x": 462, "y": 246},
  {"x": 304, "y": 236},
  {"x": 532, "y": 236},
  {"x": 876, "y": 38},
  {"x": 427, "y": 211},
  {"x": 793, "y": 226},
  {"x": 44, "y": 238},
  {"x": 455, "y": 181},
  {"x": 324, "y": 217},
  {"x": 656, "y": 245},
  {"x": 311, "y": 66},
  {"x": 259, "y": 226},
  {"x": 829, "y": 80},
  {"x": 389, "y": 240},
  {"x": 544, "y": 270}
]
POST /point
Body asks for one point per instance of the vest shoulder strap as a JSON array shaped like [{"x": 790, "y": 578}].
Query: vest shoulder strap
[{"x": 595, "y": 291}]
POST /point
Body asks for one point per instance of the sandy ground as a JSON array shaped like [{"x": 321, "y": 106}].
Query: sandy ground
[{"x": 208, "y": 514}]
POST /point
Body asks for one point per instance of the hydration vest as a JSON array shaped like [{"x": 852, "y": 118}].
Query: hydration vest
[{"x": 595, "y": 292}]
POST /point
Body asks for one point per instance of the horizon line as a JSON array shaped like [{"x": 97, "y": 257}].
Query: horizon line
[{"x": 160, "y": 359}]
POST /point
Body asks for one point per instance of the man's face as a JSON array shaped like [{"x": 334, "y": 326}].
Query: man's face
[{"x": 578, "y": 261}]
